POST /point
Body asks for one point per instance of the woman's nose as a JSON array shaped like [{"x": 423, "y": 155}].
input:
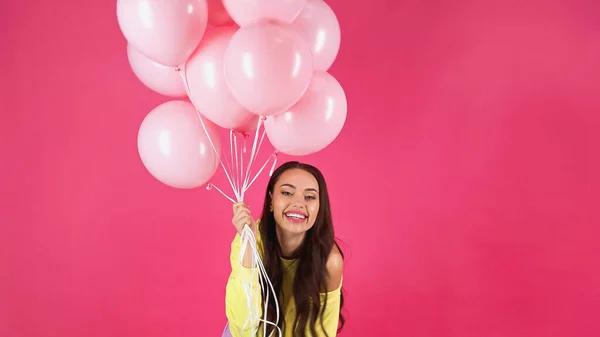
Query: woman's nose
[{"x": 298, "y": 200}]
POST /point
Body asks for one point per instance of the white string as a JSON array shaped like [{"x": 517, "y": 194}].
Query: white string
[
  {"x": 252, "y": 154},
  {"x": 247, "y": 236},
  {"x": 211, "y": 186},
  {"x": 271, "y": 157},
  {"x": 245, "y": 187},
  {"x": 231, "y": 132},
  {"x": 241, "y": 170},
  {"x": 242, "y": 160},
  {"x": 237, "y": 161},
  {"x": 187, "y": 89}
]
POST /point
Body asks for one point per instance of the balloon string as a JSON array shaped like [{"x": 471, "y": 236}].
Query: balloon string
[
  {"x": 247, "y": 235},
  {"x": 248, "y": 238},
  {"x": 247, "y": 182},
  {"x": 237, "y": 162},
  {"x": 241, "y": 154},
  {"x": 254, "y": 148},
  {"x": 262, "y": 137},
  {"x": 253, "y": 155},
  {"x": 187, "y": 89},
  {"x": 271, "y": 157},
  {"x": 231, "y": 154},
  {"x": 274, "y": 164},
  {"x": 211, "y": 186}
]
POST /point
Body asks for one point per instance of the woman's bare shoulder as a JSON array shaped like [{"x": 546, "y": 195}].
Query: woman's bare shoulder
[{"x": 335, "y": 269}]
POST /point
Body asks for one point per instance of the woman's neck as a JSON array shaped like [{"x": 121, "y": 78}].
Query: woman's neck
[{"x": 289, "y": 242}]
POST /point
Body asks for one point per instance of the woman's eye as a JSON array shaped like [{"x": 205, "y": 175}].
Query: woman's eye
[
  {"x": 310, "y": 197},
  {"x": 286, "y": 193}
]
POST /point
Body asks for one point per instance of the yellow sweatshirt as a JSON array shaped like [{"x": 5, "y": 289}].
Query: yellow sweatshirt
[{"x": 237, "y": 308}]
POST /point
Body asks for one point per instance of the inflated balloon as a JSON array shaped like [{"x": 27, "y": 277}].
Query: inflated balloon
[
  {"x": 259, "y": 63},
  {"x": 249, "y": 126},
  {"x": 320, "y": 26},
  {"x": 165, "y": 31},
  {"x": 217, "y": 14},
  {"x": 206, "y": 82},
  {"x": 245, "y": 12},
  {"x": 268, "y": 67},
  {"x": 159, "y": 78},
  {"x": 174, "y": 147},
  {"x": 314, "y": 122}
]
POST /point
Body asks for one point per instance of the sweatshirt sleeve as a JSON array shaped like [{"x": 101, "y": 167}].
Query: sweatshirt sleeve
[{"x": 236, "y": 306}]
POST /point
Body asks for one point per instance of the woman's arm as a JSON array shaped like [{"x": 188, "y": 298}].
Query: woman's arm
[
  {"x": 331, "y": 300},
  {"x": 243, "y": 280},
  {"x": 235, "y": 296},
  {"x": 335, "y": 269}
]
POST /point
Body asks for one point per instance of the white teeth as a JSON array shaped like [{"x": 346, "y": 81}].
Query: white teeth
[{"x": 295, "y": 216}]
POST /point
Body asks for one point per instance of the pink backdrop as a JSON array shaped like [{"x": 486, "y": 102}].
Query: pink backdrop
[{"x": 465, "y": 182}]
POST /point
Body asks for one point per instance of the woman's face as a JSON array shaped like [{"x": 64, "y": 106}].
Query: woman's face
[{"x": 295, "y": 201}]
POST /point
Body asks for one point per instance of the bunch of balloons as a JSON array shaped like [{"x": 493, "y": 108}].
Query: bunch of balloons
[{"x": 242, "y": 64}]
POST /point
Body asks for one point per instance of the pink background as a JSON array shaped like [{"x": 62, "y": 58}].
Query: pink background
[{"x": 465, "y": 182}]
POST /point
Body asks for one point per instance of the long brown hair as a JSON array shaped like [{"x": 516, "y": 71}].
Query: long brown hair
[{"x": 310, "y": 278}]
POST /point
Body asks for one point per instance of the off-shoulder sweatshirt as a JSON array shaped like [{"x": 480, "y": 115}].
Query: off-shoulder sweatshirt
[{"x": 237, "y": 307}]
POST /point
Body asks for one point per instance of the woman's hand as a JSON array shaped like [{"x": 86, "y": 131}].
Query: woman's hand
[{"x": 242, "y": 217}]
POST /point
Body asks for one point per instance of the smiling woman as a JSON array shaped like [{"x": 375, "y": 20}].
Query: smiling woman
[{"x": 297, "y": 244}]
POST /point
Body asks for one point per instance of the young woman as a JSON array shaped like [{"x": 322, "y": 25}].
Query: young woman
[{"x": 296, "y": 241}]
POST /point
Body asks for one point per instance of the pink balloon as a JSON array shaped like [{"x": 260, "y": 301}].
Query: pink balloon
[
  {"x": 174, "y": 147},
  {"x": 217, "y": 14},
  {"x": 268, "y": 67},
  {"x": 159, "y": 78},
  {"x": 249, "y": 126},
  {"x": 208, "y": 90},
  {"x": 245, "y": 12},
  {"x": 165, "y": 31},
  {"x": 314, "y": 122},
  {"x": 320, "y": 26}
]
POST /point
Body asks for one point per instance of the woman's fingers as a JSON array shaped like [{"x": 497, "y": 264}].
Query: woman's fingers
[
  {"x": 242, "y": 217},
  {"x": 242, "y": 213},
  {"x": 238, "y": 206}
]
